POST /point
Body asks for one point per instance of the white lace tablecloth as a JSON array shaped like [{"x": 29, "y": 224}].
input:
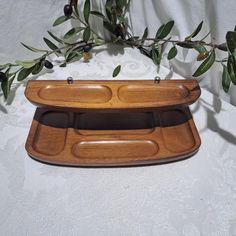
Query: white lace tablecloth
[{"x": 193, "y": 197}]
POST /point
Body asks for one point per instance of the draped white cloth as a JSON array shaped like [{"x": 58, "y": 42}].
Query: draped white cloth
[
  {"x": 191, "y": 197},
  {"x": 28, "y": 21}
]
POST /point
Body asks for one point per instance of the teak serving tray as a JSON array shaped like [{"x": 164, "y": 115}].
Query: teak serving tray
[{"x": 112, "y": 123}]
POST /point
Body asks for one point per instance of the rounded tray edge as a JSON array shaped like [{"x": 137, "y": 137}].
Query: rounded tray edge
[
  {"x": 158, "y": 161},
  {"x": 195, "y": 94}
]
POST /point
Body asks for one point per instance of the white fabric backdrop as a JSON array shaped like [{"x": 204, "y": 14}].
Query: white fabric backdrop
[
  {"x": 28, "y": 20},
  {"x": 191, "y": 198},
  {"x": 194, "y": 197}
]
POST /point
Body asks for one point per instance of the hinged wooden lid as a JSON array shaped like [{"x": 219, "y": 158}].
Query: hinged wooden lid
[{"x": 112, "y": 95}]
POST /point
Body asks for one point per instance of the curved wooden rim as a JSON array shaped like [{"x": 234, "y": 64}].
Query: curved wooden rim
[{"x": 113, "y": 95}]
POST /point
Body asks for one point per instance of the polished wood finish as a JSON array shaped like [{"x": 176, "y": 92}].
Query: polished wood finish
[
  {"x": 95, "y": 139},
  {"x": 113, "y": 95},
  {"x": 112, "y": 123}
]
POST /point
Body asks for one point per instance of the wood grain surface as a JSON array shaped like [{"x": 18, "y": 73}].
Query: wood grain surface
[
  {"x": 85, "y": 96},
  {"x": 108, "y": 139},
  {"x": 112, "y": 123}
]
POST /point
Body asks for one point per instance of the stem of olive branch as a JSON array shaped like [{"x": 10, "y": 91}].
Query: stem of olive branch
[
  {"x": 187, "y": 42},
  {"x": 54, "y": 51},
  {"x": 134, "y": 44}
]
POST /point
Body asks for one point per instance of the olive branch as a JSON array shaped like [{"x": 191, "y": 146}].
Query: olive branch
[{"x": 114, "y": 21}]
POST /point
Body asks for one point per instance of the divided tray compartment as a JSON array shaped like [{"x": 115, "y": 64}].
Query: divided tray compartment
[
  {"x": 112, "y": 123},
  {"x": 88, "y": 95}
]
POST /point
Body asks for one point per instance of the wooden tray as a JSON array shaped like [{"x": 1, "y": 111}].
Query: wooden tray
[
  {"x": 111, "y": 139},
  {"x": 112, "y": 123},
  {"x": 85, "y": 96}
]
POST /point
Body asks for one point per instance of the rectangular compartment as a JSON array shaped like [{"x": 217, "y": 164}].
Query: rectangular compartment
[{"x": 114, "y": 123}]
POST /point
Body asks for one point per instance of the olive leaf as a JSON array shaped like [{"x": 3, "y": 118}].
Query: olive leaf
[
  {"x": 32, "y": 48},
  {"x": 200, "y": 48},
  {"x": 231, "y": 66},
  {"x": 108, "y": 26},
  {"x": 116, "y": 71},
  {"x": 2, "y": 67},
  {"x": 7, "y": 72},
  {"x": 6, "y": 86},
  {"x": 61, "y": 20},
  {"x": 73, "y": 32},
  {"x": 127, "y": 5},
  {"x": 195, "y": 32},
  {"x": 98, "y": 40},
  {"x": 135, "y": 38},
  {"x": 50, "y": 44},
  {"x": 119, "y": 12},
  {"x": 86, "y": 35},
  {"x": 26, "y": 64},
  {"x": 10, "y": 82},
  {"x": 38, "y": 67},
  {"x": 121, "y": 19},
  {"x": 99, "y": 14},
  {"x": 74, "y": 56},
  {"x": 159, "y": 31},
  {"x": 231, "y": 41},
  {"x": 145, "y": 34},
  {"x": 73, "y": 49},
  {"x": 172, "y": 53},
  {"x": 145, "y": 52},
  {"x": 120, "y": 4},
  {"x": 114, "y": 15},
  {"x": 55, "y": 37},
  {"x": 108, "y": 7},
  {"x": 185, "y": 45},
  {"x": 164, "y": 30},
  {"x": 206, "y": 65},
  {"x": 223, "y": 47},
  {"x": 86, "y": 10},
  {"x": 63, "y": 64},
  {"x": 24, "y": 73},
  {"x": 156, "y": 56},
  {"x": 226, "y": 81},
  {"x": 75, "y": 5}
]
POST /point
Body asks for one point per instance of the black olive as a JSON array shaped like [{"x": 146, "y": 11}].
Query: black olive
[
  {"x": 119, "y": 31},
  {"x": 2, "y": 76},
  {"x": 87, "y": 47},
  {"x": 48, "y": 64},
  {"x": 68, "y": 10}
]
